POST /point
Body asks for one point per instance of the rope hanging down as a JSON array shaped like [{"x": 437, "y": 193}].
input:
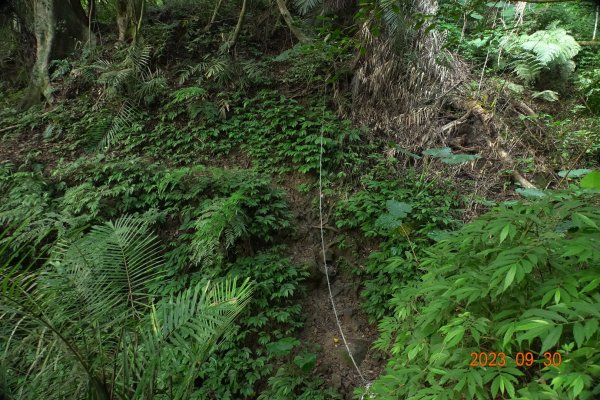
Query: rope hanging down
[{"x": 325, "y": 266}]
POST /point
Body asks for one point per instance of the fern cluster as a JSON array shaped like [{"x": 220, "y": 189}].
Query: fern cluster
[{"x": 550, "y": 50}]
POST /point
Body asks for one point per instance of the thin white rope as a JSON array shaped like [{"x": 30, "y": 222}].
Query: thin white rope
[{"x": 337, "y": 318}]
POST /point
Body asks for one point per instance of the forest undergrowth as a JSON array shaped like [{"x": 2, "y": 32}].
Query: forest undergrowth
[{"x": 160, "y": 202}]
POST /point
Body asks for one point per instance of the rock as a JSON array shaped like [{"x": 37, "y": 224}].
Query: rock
[
  {"x": 336, "y": 381},
  {"x": 358, "y": 348},
  {"x": 347, "y": 312}
]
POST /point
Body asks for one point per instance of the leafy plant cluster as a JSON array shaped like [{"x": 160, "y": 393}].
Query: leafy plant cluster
[
  {"x": 275, "y": 132},
  {"x": 94, "y": 189},
  {"x": 322, "y": 61},
  {"x": 551, "y": 51},
  {"x": 522, "y": 278},
  {"x": 408, "y": 215},
  {"x": 262, "y": 337}
]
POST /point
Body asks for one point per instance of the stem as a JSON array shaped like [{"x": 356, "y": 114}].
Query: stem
[
  {"x": 238, "y": 27},
  {"x": 285, "y": 13},
  {"x": 596, "y": 23},
  {"x": 214, "y": 16}
]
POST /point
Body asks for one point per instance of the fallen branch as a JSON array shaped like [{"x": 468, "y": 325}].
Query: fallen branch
[
  {"x": 450, "y": 126},
  {"x": 8, "y": 128},
  {"x": 486, "y": 119}
]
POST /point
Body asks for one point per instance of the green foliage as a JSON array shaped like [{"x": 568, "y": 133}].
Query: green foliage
[
  {"x": 295, "y": 382},
  {"x": 416, "y": 211},
  {"x": 97, "y": 188},
  {"x": 223, "y": 218},
  {"x": 131, "y": 77},
  {"x": 86, "y": 324},
  {"x": 591, "y": 181},
  {"x": 275, "y": 132},
  {"x": 523, "y": 277},
  {"x": 319, "y": 61},
  {"x": 588, "y": 82},
  {"x": 242, "y": 362},
  {"x": 446, "y": 156},
  {"x": 552, "y": 49}
]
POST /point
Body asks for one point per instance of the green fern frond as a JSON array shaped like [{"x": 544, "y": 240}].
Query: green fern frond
[
  {"x": 224, "y": 220},
  {"x": 120, "y": 123},
  {"x": 186, "y": 327},
  {"x": 545, "y": 49},
  {"x": 85, "y": 325}
]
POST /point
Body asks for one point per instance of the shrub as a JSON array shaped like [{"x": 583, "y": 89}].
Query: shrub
[
  {"x": 522, "y": 278},
  {"x": 242, "y": 362}
]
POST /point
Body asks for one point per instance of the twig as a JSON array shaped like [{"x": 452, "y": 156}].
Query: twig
[
  {"x": 328, "y": 227},
  {"x": 8, "y": 128}
]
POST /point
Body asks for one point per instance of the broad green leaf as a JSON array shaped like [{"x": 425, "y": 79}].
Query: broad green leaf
[
  {"x": 438, "y": 152},
  {"x": 459, "y": 158},
  {"x": 590, "y": 328},
  {"x": 454, "y": 336},
  {"x": 532, "y": 324},
  {"x": 586, "y": 220},
  {"x": 283, "y": 346},
  {"x": 577, "y": 385},
  {"x": 510, "y": 276},
  {"x": 591, "y": 181},
  {"x": 553, "y": 336},
  {"x": 504, "y": 233},
  {"x": 578, "y": 334},
  {"x": 496, "y": 385},
  {"x": 398, "y": 209},
  {"x": 591, "y": 286},
  {"x": 508, "y": 335},
  {"x": 531, "y": 193},
  {"x": 576, "y": 173},
  {"x": 306, "y": 362}
]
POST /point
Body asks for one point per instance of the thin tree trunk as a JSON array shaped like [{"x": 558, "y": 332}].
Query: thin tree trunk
[
  {"x": 238, "y": 27},
  {"x": 139, "y": 12},
  {"x": 596, "y": 23},
  {"x": 285, "y": 13},
  {"x": 91, "y": 15},
  {"x": 123, "y": 18},
  {"x": 214, "y": 16}
]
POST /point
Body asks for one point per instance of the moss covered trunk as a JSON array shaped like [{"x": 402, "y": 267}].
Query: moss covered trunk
[
  {"x": 129, "y": 15},
  {"x": 58, "y": 26}
]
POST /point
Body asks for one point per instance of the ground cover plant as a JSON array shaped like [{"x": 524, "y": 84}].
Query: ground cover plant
[{"x": 189, "y": 187}]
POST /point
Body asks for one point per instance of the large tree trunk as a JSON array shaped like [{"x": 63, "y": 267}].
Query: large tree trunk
[
  {"x": 129, "y": 16},
  {"x": 58, "y": 26}
]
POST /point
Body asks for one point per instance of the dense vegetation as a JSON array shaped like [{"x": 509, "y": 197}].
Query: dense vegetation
[{"x": 188, "y": 186}]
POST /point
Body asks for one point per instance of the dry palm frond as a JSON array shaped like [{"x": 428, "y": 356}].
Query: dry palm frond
[{"x": 397, "y": 86}]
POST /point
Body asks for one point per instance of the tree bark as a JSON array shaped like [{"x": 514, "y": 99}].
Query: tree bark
[
  {"x": 58, "y": 26},
  {"x": 285, "y": 13},
  {"x": 238, "y": 27},
  {"x": 129, "y": 17},
  {"x": 214, "y": 16}
]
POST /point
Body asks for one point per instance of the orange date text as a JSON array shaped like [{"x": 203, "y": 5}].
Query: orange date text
[{"x": 521, "y": 359}]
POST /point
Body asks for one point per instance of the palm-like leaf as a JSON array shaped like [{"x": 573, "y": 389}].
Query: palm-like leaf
[
  {"x": 85, "y": 325},
  {"x": 183, "y": 330}
]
